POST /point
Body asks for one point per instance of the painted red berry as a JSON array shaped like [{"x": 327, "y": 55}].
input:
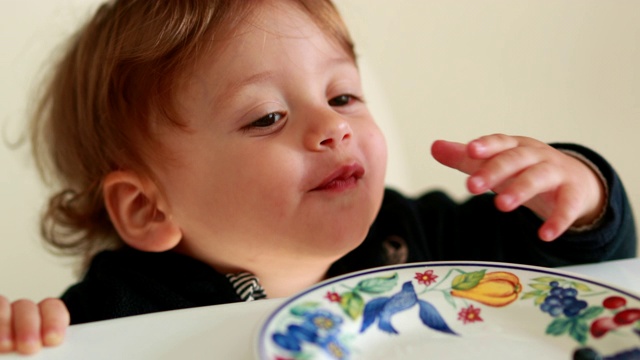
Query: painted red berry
[
  {"x": 601, "y": 326},
  {"x": 614, "y": 302},
  {"x": 628, "y": 316}
]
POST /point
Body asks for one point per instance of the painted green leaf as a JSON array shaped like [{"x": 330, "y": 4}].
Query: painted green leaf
[
  {"x": 301, "y": 309},
  {"x": 543, "y": 287},
  {"x": 559, "y": 326},
  {"x": 580, "y": 286},
  {"x": 540, "y": 299},
  {"x": 352, "y": 304},
  {"x": 378, "y": 285},
  {"x": 591, "y": 312},
  {"x": 579, "y": 330},
  {"x": 531, "y": 294},
  {"x": 450, "y": 299},
  {"x": 305, "y": 355},
  {"x": 467, "y": 281},
  {"x": 545, "y": 279}
]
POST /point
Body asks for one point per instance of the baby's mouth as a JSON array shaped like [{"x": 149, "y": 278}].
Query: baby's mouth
[{"x": 342, "y": 178}]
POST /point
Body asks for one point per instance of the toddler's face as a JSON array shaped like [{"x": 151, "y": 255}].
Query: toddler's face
[{"x": 281, "y": 158}]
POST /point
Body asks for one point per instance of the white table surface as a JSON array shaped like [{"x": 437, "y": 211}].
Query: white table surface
[{"x": 229, "y": 331}]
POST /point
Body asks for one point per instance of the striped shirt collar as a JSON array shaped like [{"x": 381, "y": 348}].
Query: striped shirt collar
[{"x": 247, "y": 286}]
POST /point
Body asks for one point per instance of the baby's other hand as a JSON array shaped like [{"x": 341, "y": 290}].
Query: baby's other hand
[
  {"x": 26, "y": 326},
  {"x": 523, "y": 171}
]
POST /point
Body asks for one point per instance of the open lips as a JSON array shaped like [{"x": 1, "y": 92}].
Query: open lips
[{"x": 342, "y": 178}]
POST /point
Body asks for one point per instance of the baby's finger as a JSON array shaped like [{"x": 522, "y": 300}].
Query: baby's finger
[
  {"x": 55, "y": 320},
  {"x": 26, "y": 327},
  {"x": 6, "y": 342},
  {"x": 487, "y": 146},
  {"x": 501, "y": 167},
  {"x": 533, "y": 181},
  {"x": 454, "y": 155},
  {"x": 564, "y": 214}
]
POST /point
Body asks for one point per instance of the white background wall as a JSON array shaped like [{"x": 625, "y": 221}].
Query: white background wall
[{"x": 556, "y": 70}]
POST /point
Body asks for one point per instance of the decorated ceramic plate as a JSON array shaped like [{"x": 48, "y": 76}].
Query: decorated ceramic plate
[{"x": 455, "y": 310}]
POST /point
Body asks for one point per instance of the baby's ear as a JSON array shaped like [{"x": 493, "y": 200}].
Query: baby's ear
[{"x": 139, "y": 213}]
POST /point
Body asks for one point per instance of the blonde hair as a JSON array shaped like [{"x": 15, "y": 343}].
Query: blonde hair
[{"x": 115, "y": 81}]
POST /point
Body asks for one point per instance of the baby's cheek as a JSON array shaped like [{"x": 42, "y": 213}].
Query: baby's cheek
[{"x": 375, "y": 143}]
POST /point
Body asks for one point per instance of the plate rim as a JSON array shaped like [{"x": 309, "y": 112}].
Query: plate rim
[{"x": 259, "y": 344}]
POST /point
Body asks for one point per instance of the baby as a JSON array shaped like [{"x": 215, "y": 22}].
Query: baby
[{"x": 220, "y": 151}]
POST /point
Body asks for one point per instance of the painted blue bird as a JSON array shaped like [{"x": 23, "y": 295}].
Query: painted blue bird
[{"x": 383, "y": 308}]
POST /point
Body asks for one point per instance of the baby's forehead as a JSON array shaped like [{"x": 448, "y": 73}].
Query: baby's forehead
[
  {"x": 261, "y": 49},
  {"x": 274, "y": 22}
]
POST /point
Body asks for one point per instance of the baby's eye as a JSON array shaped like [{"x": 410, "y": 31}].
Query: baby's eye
[
  {"x": 267, "y": 120},
  {"x": 342, "y": 100},
  {"x": 268, "y": 124}
]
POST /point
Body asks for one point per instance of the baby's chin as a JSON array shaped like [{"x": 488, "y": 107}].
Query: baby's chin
[{"x": 339, "y": 242}]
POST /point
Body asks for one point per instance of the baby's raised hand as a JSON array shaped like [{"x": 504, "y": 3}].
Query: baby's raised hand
[
  {"x": 523, "y": 171},
  {"x": 26, "y": 326}
]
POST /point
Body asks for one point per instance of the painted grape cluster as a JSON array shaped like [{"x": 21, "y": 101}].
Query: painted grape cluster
[{"x": 562, "y": 300}]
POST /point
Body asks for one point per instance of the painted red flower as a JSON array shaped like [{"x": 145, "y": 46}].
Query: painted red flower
[
  {"x": 333, "y": 296},
  {"x": 469, "y": 315},
  {"x": 426, "y": 277}
]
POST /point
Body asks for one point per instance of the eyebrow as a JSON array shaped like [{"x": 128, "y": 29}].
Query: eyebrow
[
  {"x": 226, "y": 94},
  {"x": 265, "y": 76},
  {"x": 269, "y": 75},
  {"x": 253, "y": 79}
]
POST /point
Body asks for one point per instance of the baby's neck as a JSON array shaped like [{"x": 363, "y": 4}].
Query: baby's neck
[
  {"x": 280, "y": 276},
  {"x": 280, "y": 283}
]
